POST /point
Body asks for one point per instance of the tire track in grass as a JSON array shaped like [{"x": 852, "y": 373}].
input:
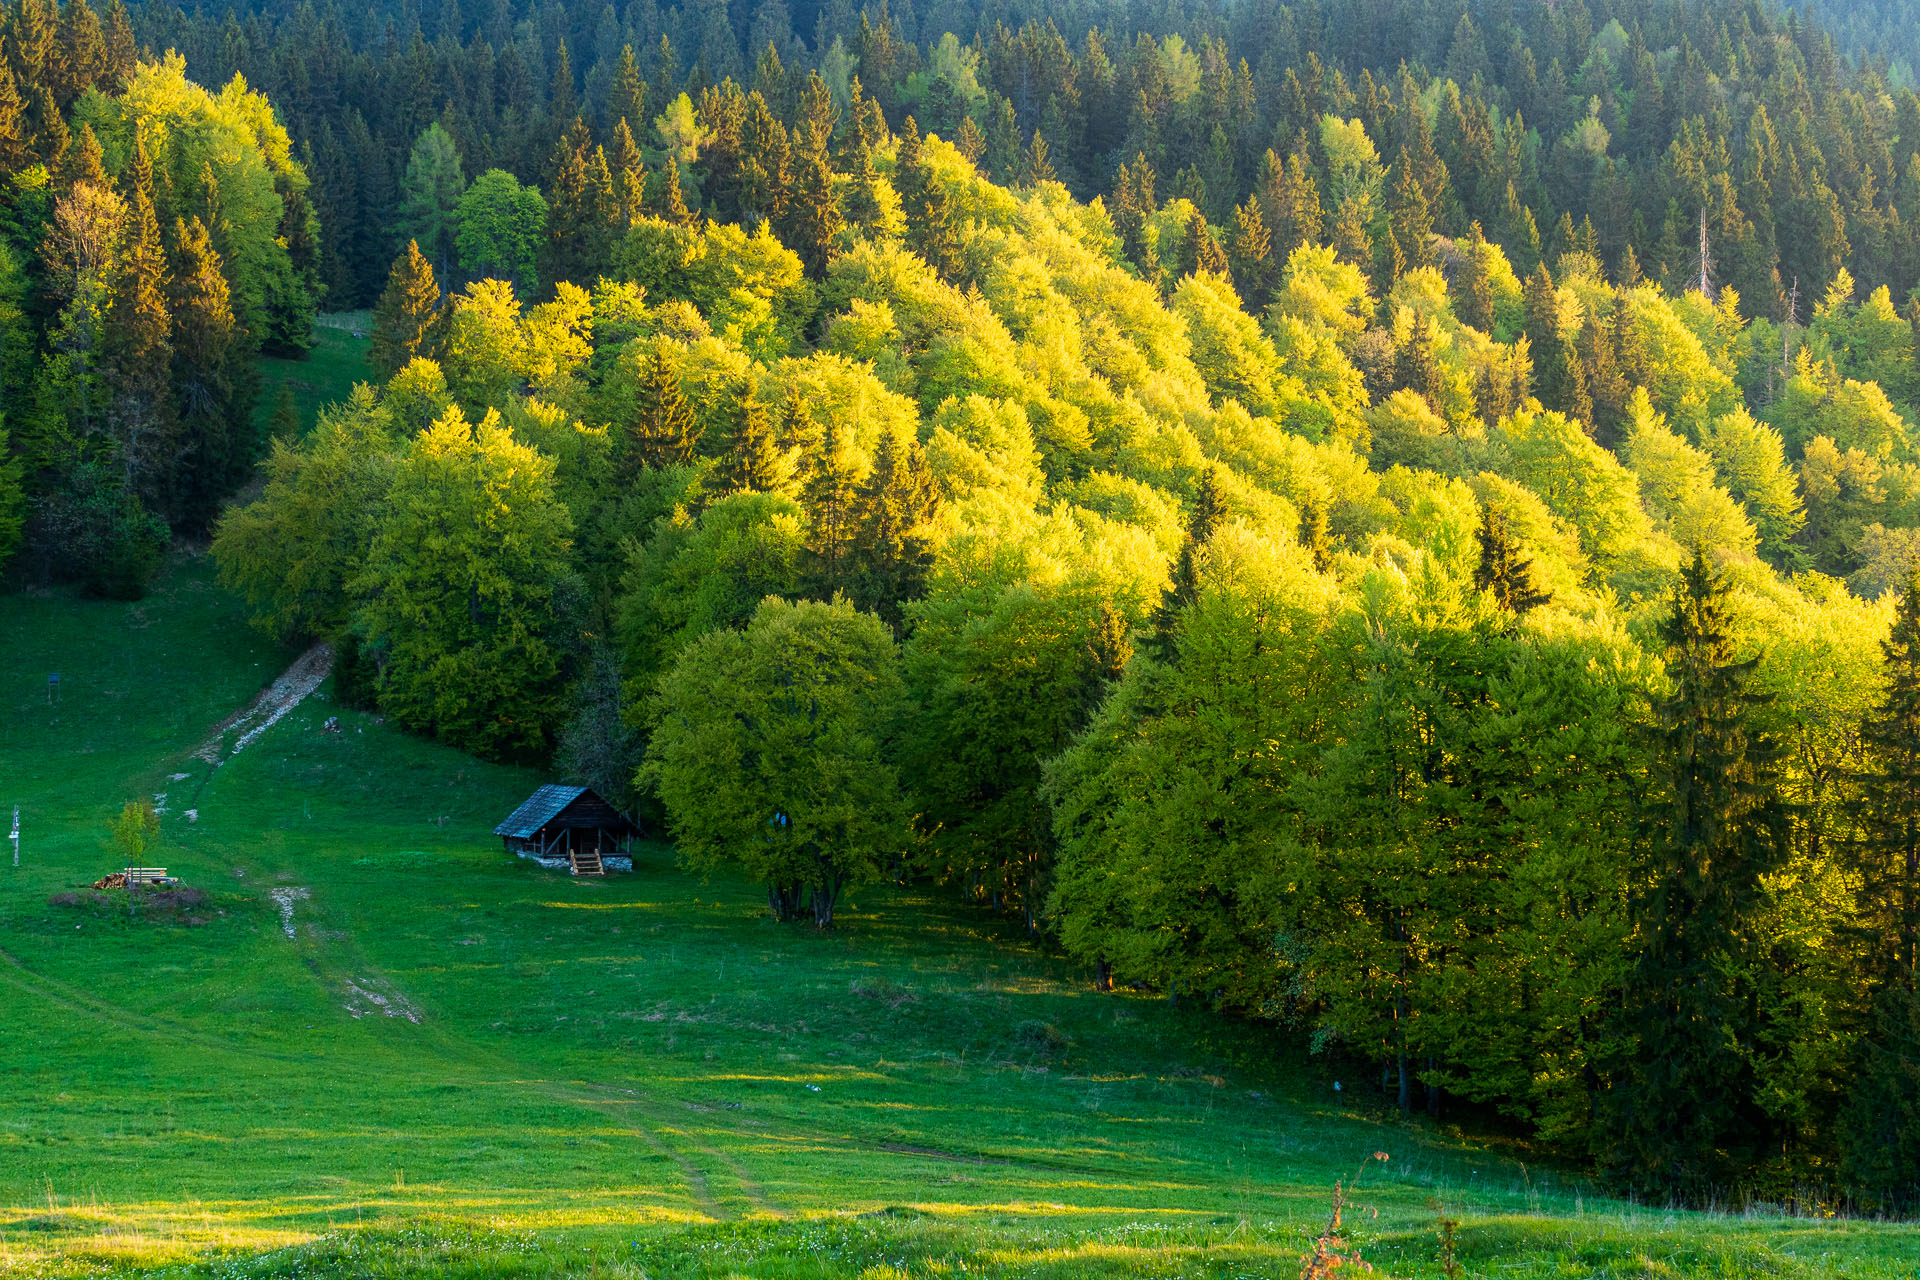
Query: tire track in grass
[
  {"x": 336, "y": 961},
  {"x": 74, "y": 999},
  {"x": 754, "y": 1194},
  {"x": 690, "y": 1173}
]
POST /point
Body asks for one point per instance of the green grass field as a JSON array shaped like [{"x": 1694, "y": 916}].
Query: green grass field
[
  {"x": 642, "y": 1076},
  {"x": 336, "y": 361}
]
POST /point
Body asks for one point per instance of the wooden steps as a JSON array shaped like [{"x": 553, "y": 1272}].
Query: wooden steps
[{"x": 587, "y": 863}]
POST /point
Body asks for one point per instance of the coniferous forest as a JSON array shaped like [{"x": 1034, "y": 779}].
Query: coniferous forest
[{"x": 1392, "y": 519}]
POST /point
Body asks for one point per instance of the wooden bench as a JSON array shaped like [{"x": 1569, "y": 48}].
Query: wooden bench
[{"x": 147, "y": 875}]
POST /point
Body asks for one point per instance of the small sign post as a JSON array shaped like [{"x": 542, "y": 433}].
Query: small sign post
[
  {"x": 15, "y": 837},
  {"x": 53, "y": 688}
]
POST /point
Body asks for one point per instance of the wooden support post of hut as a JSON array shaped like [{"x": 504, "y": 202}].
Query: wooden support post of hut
[{"x": 570, "y": 827}]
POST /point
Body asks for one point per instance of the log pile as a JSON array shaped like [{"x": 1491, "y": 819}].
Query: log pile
[{"x": 118, "y": 880}]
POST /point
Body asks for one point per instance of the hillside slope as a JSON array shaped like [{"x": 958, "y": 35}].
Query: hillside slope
[{"x": 642, "y": 1075}]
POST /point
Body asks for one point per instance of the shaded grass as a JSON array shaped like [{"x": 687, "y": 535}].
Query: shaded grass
[
  {"x": 637, "y": 1076},
  {"x": 335, "y": 362}
]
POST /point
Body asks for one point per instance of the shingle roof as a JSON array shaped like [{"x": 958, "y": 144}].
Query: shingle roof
[{"x": 539, "y": 809}]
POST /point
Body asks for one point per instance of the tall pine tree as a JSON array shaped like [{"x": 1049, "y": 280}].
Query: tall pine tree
[
  {"x": 212, "y": 413},
  {"x": 755, "y": 461},
  {"x": 1202, "y": 522},
  {"x": 813, "y": 216},
  {"x": 832, "y": 500},
  {"x": 892, "y": 553},
  {"x": 1505, "y": 572},
  {"x": 1683, "y": 1115},
  {"x": 664, "y": 433},
  {"x": 1880, "y": 1127},
  {"x": 141, "y": 350},
  {"x": 407, "y": 321}
]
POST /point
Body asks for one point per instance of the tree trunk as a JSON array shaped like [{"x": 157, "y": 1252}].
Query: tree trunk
[
  {"x": 1406, "y": 1076},
  {"x": 1103, "y": 974},
  {"x": 784, "y": 900},
  {"x": 825, "y": 890}
]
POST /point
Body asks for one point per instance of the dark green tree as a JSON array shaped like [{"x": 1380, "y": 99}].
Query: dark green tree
[
  {"x": 627, "y": 96},
  {"x": 210, "y": 372},
  {"x": 1202, "y": 522},
  {"x": 407, "y": 321},
  {"x": 672, "y": 205},
  {"x": 1472, "y": 289},
  {"x": 755, "y": 461},
  {"x": 832, "y": 500},
  {"x": 813, "y": 215},
  {"x": 1505, "y": 572},
  {"x": 1683, "y": 1116},
  {"x": 140, "y": 351},
  {"x": 1880, "y": 1126},
  {"x": 16, "y": 134},
  {"x": 1315, "y": 533},
  {"x": 1250, "y": 254},
  {"x": 1409, "y": 221},
  {"x": 892, "y": 554},
  {"x": 665, "y": 432}
]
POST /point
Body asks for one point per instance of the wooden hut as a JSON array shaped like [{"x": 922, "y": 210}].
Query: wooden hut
[{"x": 571, "y": 827}]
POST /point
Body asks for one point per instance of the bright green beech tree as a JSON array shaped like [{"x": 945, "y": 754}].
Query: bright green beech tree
[
  {"x": 457, "y": 595},
  {"x": 770, "y": 752}
]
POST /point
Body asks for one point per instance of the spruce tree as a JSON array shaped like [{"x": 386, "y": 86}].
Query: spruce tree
[
  {"x": 1250, "y": 254},
  {"x": 204, "y": 360},
  {"x": 627, "y": 97},
  {"x": 892, "y": 553},
  {"x": 79, "y": 56},
  {"x": 813, "y": 217},
  {"x": 32, "y": 33},
  {"x": 832, "y": 500},
  {"x": 673, "y": 202},
  {"x": 629, "y": 173},
  {"x": 1683, "y": 1115},
  {"x": 1316, "y": 532},
  {"x": 1201, "y": 254},
  {"x": 582, "y": 210},
  {"x": 1417, "y": 365},
  {"x": 141, "y": 350},
  {"x": 284, "y": 424},
  {"x": 765, "y": 156},
  {"x": 1202, "y": 522},
  {"x": 1038, "y": 165},
  {"x": 755, "y": 461},
  {"x": 1504, "y": 572},
  {"x": 1297, "y": 216},
  {"x": 83, "y": 163},
  {"x": 1880, "y": 1124},
  {"x": 969, "y": 141},
  {"x": 1410, "y": 220},
  {"x": 51, "y": 139},
  {"x": 119, "y": 52},
  {"x": 407, "y": 319},
  {"x": 16, "y": 136},
  {"x": 665, "y": 433},
  {"x": 563, "y": 100},
  {"x": 1473, "y": 289},
  {"x": 1542, "y": 309}
]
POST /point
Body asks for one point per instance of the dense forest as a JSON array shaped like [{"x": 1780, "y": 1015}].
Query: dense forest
[{"x": 1394, "y": 519}]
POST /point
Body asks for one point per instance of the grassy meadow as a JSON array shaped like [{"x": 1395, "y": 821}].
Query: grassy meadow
[{"x": 381, "y": 1047}]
